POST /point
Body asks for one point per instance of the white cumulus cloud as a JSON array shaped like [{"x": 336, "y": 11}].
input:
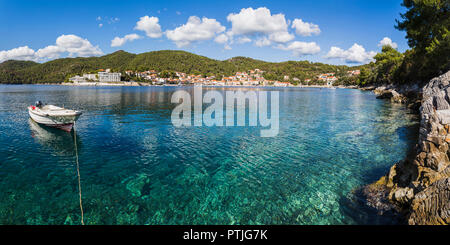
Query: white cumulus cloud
[
  {"x": 281, "y": 37},
  {"x": 222, "y": 39},
  {"x": 355, "y": 54},
  {"x": 50, "y": 52},
  {"x": 195, "y": 29},
  {"x": 242, "y": 40},
  {"x": 262, "y": 42},
  {"x": 119, "y": 41},
  {"x": 150, "y": 25},
  {"x": 250, "y": 21},
  {"x": 226, "y": 39},
  {"x": 20, "y": 53},
  {"x": 387, "y": 42},
  {"x": 301, "y": 48},
  {"x": 72, "y": 44},
  {"x": 304, "y": 28},
  {"x": 77, "y": 46},
  {"x": 260, "y": 22}
]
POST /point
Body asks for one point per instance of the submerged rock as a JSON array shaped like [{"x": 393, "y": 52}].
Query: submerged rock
[
  {"x": 377, "y": 196},
  {"x": 137, "y": 185},
  {"x": 419, "y": 186}
]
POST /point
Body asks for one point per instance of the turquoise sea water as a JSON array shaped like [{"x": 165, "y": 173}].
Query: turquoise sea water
[{"x": 136, "y": 168}]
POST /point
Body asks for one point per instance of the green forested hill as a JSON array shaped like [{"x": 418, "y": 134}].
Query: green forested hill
[
  {"x": 166, "y": 60},
  {"x": 15, "y": 65}
]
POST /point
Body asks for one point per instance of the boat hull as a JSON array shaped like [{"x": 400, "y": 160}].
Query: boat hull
[
  {"x": 64, "y": 123},
  {"x": 64, "y": 127}
]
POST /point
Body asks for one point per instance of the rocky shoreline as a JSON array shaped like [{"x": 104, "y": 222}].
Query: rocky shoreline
[
  {"x": 418, "y": 187},
  {"x": 411, "y": 95}
]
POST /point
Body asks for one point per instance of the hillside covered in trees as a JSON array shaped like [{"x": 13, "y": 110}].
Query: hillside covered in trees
[
  {"x": 426, "y": 23},
  {"x": 58, "y": 70}
]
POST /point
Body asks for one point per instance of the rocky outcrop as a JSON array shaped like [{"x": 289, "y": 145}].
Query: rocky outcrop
[
  {"x": 419, "y": 186},
  {"x": 399, "y": 93},
  {"x": 432, "y": 205}
]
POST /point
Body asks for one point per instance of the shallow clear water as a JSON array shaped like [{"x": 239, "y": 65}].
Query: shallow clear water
[{"x": 136, "y": 168}]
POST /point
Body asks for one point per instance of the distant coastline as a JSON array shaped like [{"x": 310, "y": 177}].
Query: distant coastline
[
  {"x": 169, "y": 66},
  {"x": 140, "y": 84}
]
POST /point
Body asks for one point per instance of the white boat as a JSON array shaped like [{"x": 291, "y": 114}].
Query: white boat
[{"x": 53, "y": 116}]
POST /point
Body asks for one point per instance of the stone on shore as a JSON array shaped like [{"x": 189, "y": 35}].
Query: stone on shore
[{"x": 406, "y": 94}]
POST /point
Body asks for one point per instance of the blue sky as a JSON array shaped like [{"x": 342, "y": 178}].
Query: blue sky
[{"x": 324, "y": 31}]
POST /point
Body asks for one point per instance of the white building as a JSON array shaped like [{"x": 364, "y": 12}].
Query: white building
[
  {"x": 92, "y": 77},
  {"x": 109, "y": 77},
  {"x": 77, "y": 79}
]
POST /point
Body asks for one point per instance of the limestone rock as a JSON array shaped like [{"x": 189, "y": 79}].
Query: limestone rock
[
  {"x": 432, "y": 205},
  {"x": 440, "y": 102},
  {"x": 400, "y": 94},
  {"x": 379, "y": 90},
  {"x": 444, "y": 116},
  {"x": 391, "y": 94},
  {"x": 403, "y": 195}
]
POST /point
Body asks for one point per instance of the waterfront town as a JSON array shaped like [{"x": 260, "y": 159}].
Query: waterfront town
[{"x": 249, "y": 78}]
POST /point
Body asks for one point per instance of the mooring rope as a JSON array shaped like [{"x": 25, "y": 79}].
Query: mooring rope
[{"x": 78, "y": 172}]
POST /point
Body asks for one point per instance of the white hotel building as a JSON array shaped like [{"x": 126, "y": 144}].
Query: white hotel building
[{"x": 109, "y": 76}]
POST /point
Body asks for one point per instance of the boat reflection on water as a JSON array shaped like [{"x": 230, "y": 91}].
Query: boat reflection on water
[{"x": 61, "y": 142}]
